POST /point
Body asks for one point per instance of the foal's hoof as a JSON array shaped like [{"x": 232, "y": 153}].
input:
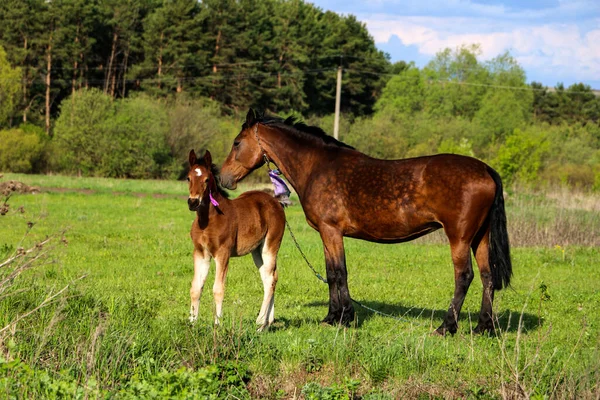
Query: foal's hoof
[{"x": 263, "y": 328}]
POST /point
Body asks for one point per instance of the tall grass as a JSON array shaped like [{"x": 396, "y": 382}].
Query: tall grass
[{"x": 123, "y": 332}]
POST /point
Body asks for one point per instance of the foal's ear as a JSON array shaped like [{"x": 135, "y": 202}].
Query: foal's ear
[
  {"x": 193, "y": 159},
  {"x": 250, "y": 117},
  {"x": 207, "y": 159}
]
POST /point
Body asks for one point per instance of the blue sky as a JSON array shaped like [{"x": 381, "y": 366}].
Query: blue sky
[{"x": 553, "y": 40}]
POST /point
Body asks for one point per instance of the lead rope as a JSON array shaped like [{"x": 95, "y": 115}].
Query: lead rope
[{"x": 317, "y": 274}]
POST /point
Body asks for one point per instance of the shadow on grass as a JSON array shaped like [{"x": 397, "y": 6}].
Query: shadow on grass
[{"x": 507, "y": 320}]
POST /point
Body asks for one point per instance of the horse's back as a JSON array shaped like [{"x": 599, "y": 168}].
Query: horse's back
[{"x": 398, "y": 200}]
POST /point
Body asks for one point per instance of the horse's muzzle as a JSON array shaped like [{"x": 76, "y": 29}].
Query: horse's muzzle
[
  {"x": 228, "y": 182},
  {"x": 193, "y": 204}
]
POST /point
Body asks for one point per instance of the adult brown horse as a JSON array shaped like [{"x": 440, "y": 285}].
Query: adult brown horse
[
  {"x": 346, "y": 193},
  {"x": 252, "y": 223}
]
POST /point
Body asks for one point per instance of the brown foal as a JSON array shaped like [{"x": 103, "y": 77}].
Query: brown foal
[
  {"x": 252, "y": 223},
  {"x": 346, "y": 193}
]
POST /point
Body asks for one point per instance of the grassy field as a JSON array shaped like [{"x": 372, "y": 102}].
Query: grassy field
[{"x": 122, "y": 330}]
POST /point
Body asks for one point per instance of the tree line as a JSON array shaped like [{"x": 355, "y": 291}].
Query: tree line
[
  {"x": 124, "y": 88},
  {"x": 271, "y": 54}
]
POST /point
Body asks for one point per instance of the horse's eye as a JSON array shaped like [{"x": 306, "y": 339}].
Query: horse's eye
[
  {"x": 236, "y": 143},
  {"x": 188, "y": 178}
]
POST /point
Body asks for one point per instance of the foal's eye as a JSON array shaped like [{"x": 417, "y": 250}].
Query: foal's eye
[
  {"x": 188, "y": 178},
  {"x": 236, "y": 143}
]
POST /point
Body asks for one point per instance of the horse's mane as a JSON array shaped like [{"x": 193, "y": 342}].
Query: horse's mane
[
  {"x": 215, "y": 171},
  {"x": 297, "y": 127}
]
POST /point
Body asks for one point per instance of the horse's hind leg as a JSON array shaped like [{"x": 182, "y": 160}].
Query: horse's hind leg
[
  {"x": 463, "y": 276},
  {"x": 481, "y": 247},
  {"x": 265, "y": 258},
  {"x": 201, "y": 267}
]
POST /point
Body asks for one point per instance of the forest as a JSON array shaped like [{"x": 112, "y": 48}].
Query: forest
[{"x": 125, "y": 89}]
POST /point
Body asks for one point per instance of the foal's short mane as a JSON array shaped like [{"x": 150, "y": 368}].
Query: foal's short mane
[
  {"x": 214, "y": 170},
  {"x": 296, "y": 127}
]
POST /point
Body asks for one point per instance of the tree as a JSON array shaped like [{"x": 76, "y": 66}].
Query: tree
[
  {"x": 172, "y": 46},
  {"x": 455, "y": 82},
  {"x": 508, "y": 102},
  {"x": 79, "y": 18},
  {"x": 123, "y": 22},
  {"x": 10, "y": 85},
  {"x": 403, "y": 93},
  {"x": 344, "y": 41},
  {"x": 21, "y": 35}
]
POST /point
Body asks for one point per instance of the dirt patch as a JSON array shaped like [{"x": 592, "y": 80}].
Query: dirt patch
[{"x": 8, "y": 187}]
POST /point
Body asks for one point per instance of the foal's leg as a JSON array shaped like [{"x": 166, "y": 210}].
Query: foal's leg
[
  {"x": 463, "y": 276},
  {"x": 340, "y": 304},
  {"x": 222, "y": 262},
  {"x": 201, "y": 268},
  {"x": 481, "y": 247},
  {"x": 265, "y": 258}
]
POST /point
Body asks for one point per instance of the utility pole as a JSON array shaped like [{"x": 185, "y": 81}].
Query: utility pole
[{"x": 338, "y": 97}]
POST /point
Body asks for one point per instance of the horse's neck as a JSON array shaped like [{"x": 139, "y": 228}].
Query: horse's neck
[{"x": 296, "y": 158}]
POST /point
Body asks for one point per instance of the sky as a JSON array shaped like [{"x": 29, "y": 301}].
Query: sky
[{"x": 553, "y": 40}]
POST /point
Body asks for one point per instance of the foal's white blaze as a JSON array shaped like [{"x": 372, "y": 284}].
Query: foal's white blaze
[{"x": 198, "y": 172}]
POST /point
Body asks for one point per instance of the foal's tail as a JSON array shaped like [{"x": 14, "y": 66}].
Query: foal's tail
[{"x": 499, "y": 253}]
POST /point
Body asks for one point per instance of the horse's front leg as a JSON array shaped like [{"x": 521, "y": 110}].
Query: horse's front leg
[
  {"x": 341, "y": 310},
  {"x": 222, "y": 262},
  {"x": 201, "y": 268}
]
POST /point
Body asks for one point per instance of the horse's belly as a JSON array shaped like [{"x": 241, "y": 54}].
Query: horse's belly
[{"x": 391, "y": 230}]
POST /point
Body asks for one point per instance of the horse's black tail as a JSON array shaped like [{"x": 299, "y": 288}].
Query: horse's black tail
[{"x": 499, "y": 253}]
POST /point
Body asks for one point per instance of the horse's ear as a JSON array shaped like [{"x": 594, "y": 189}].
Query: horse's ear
[
  {"x": 193, "y": 159},
  {"x": 207, "y": 159},
  {"x": 250, "y": 117}
]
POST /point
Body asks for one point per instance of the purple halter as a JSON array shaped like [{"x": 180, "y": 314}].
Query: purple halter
[
  {"x": 212, "y": 199},
  {"x": 282, "y": 192}
]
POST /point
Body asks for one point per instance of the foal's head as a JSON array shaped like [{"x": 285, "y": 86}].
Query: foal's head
[{"x": 201, "y": 180}]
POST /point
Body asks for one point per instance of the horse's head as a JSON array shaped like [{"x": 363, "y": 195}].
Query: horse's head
[
  {"x": 246, "y": 154},
  {"x": 200, "y": 179}
]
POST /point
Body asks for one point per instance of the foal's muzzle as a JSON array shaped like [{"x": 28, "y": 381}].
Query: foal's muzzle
[{"x": 193, "y": 204}]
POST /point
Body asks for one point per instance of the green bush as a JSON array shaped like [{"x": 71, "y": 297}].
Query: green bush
[
  {"x": 135, "y": 141},
  {"x": 123, "y": 139},
  {"x": 80, "y": 139},
  {"x": 520, "y": 157},
  {"x": 22, "y": 149}
]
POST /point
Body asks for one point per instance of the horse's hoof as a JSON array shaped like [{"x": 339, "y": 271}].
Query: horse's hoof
[
  {"x": 443, "y": 331},
  {"x": 347, "y": 319},
  {"x": 330, "y": 319},
  {"x": 483, "y": 329}
]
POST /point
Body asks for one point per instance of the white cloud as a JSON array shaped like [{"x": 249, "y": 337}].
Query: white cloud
[{"x": 562, "y": 50}]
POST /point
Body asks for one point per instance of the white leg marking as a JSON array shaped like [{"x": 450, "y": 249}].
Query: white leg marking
[
  {"x": 219, "y": 286},
  {"x": 201, "y": 268},
  {"x": 268, "y": 274}
]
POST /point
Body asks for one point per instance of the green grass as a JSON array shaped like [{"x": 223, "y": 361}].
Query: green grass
[{"x": 123, "y": 328}]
